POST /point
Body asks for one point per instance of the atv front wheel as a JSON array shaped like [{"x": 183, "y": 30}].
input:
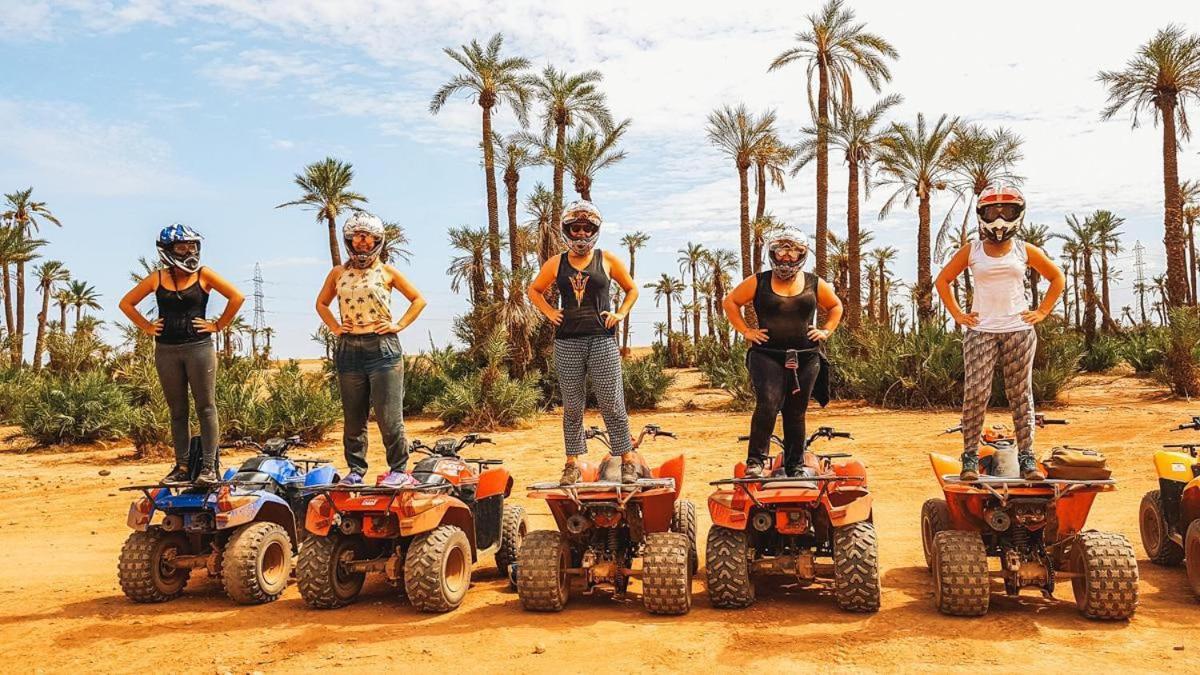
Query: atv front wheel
[
  {"x": 1106, "y": 585},
  {"x": 856, "y": 567},
  {"x": 727, "y": 568},
  {"x": 666, "y": 574},
  {"x": 683, "y": 521},
  {"x": 512, "y": 534},
  {"x": 935, "y": 517},
  {"x": 1155, "y": 530},
  {"x": 257, "y": 564},
  {"x": 1191, "y": 544},
  {"x": 542, "y": 571},
  {"x": 145, "y": 569},
  {"x": 323, "y": 582},
  {"x": 960, "y": 573},
  {"x": 437, "y": 569}
]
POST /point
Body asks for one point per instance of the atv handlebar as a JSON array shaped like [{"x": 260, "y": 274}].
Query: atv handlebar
[
  {"x": 1194, "y": 424},
  {"x": 651, "y": 430},
  {"x": 448, "y": 447},
  {"x": 821, "y": 432},
  {"x": 1038, "y": 419},
  {"x": 276, "y": 447}
]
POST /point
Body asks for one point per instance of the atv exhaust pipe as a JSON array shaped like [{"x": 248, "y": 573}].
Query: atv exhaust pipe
[
  {"x": 578, "y": 523},
  {"x": 762, "y": 521}
]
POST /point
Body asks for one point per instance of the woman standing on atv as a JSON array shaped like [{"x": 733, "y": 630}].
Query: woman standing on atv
[
  {"x": 1000, "y": 325},
  {"x": 785, "y": 361},
  {"x": 369, "y": 361},
  {"x": 183, "y": 347},
  {"x": 585, "y": 344}
]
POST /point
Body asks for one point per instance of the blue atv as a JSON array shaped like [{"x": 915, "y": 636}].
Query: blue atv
[{"x": 241, "y": 529}]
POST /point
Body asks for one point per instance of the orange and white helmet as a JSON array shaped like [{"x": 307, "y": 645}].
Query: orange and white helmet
[{"x": 1001, "y": 210}]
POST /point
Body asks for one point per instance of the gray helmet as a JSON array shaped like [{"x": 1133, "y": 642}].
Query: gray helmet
[
  {"x": 786, "y": 269},
  {"x": 362, "y": 222}
]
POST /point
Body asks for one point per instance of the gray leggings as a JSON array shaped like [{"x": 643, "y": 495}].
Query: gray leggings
[
  {"x": 597, "y": 358},
  {"x": 190, "y": 366},
  {"x": 1014, "y": 351}
]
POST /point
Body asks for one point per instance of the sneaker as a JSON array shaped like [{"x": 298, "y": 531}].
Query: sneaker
[
  {"x": 970, "y": 468},
  {"x": 802, "y": 471},
  {"x": 207, "y": 476},
  {"x": 353, "y": 478},
  {"x": 571, "y": 474},
  {"x": 753, "y": 470},
  {"x": 397, "y": 479},
  {"x": 1029, "y": 468},
  {"x": 178, "y": 475},
  {"x": 630, "y": 471}
]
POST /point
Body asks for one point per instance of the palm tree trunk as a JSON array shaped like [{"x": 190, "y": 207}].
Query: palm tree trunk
[
  {"x": 1035, "y": 296},
  {"x": 822, "y": 228},
  {"x": 62, "y": 318},
  {"x": 708, "y": 314},
  {"x": 1191, "y": 234},
  {"x": 625, "y": 322},
  {"x": 1104, "y": 299},
  {"x": 8, "y": 305},
  {"x": 719, "y": 293},
  {"x": 744, "y": 221},
  {"x": 1173, "y": 213},
  {"x": 78, "y": 315},
  {"x": 1075, "y": 285},
  {"x": 18, "y": 345},
  {"x": 853, "y": 248},
  {"x": 515, "y": 254},
  {"x": 1089, "y": 291},
  {"x": 884, "y": 318},
  {"x": 40, "y": 341},
  {"x": 760, "y": 185},
  {"x": 670, "y": 330},
  {"x": 335, "y": 252},
  {"x": 560, "y": 139},
  {"x": 493, "y": 207},
  {"x": 695, "y": 309},
  {"x": 924, "y": 262}
]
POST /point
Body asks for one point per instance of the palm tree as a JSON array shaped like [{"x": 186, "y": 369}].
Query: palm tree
[
  {"x": 394, "y": 241},
  {"x": 1161, "y": 79},
  {"x": 540, "y": 205},
  {"x": 48, "y": 273},
  {"x": 689, "y": 261},
  {"x": 83, "y": 295},
  {"x": 1189, "y": 194},
  {"x": 856, "y": 133},
  {"x": 568, "y": 100},
  {"x": 720, "y": 262},
  {"x": 761, "y": 230},
  {"x": 15, "y": 249},
  {"x": 833, "y": 47},
  {"x": 839, "y": 260},
  {"x": 880, "y": 259},
  {"x": 632, "y": 242},
  {"x": 1070, "y": 254},
  {"x": 517, "y": 152},
  {"x": 1037, "y": 235},
  {"x": 660, "y": 329},
  {"x": 325, "y": 187},
  {"x": 235, "y": 328},
  {"x": 771, "y": 157},
  {"x": 1084, "y": 237},
  {"x": 267, "y": 332},
  {"x": 489, "y": 81},
  {"x": 668, "y": 287},
  {"x": 737, "y": 133},
  {"x": 913, "y": 159},
  {"x": 471, "y": 268},
  {"x": 1108, "y": 242},
  {"x": 586, "y": 153},
  {"x": 24, "y": 214}
]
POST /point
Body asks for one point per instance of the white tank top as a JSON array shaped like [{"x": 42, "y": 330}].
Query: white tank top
[{"x": 999, "y": 288}]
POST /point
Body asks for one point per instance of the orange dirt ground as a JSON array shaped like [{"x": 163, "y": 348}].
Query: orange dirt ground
[{"x": 63, "y": 524}]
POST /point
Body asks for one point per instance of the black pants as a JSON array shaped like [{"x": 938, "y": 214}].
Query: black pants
[
  {"x": 773, "y": 392},
  {"x": 190, "y": 366}
]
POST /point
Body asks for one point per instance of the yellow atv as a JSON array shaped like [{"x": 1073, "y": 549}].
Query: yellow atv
[{"x": 1169, "y": 517}]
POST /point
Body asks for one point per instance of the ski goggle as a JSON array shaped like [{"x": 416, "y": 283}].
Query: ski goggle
[
  {"x": 1009, "y": 212},
  {"x": 581, "y": 228},
  {"x": 788, "y": 248},
  {"x": 185, "y": 248}
]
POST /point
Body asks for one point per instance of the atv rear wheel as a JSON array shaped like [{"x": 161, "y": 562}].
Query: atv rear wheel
[
  {"x": 437, "y": 569},
  {"x": 542, "y": 571},
  {"x": 935, "y": 517},
  {"x": 323, "y": 583},
  {"x": 666, "y": 574},
  {"x": 145, "y": 571},
  {"x": 1191, "y": 544},
  {"x": 1107, "y": 583},
  {"x": 512, "y": 534},
  {"x": 960, "y": 573},
  {"x": 257, "y": 563},
  {"x": 727, "y": 553},
  {"x": 1155, "y": 530},
  {"x": 683, "y": 521},
  {"x": 856, "y": 567}
]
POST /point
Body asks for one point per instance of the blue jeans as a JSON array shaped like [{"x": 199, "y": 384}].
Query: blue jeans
[{"x": 371, "y": 377}]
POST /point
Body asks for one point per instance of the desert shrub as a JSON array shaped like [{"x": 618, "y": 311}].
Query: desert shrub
[
  {"x": 645, "y": 382},
  {"x": 238, "y": 387},
  {"x": 488, "y": 398},
  {"x": 80, "y": 408},
  {"x": 919, "y": 369},
  {"x": 1180, "y": 369},
  {"x": 15, "y": 385},
  {"x": 294, "y": 403},
  {"x": 1055, "y": 364},
  {"x": 1144, "y": 348},
  {"x": 76, "y": 352},
  {"x": 729, "y": 372},
  {"x": 1104, "y": 354}
]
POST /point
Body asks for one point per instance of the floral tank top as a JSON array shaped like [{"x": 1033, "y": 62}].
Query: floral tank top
[{"x": 364, "y": 296}]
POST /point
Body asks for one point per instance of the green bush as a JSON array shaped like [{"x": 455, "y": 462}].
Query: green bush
[
  {"x": 1144, "y": 348},
  {"x": 488, "y": 398},
  {"x": 294, "y": 404},
  {"x": 1180, "y": 369},
  {"x": 1104, "y": 354},
  {"x": 80, "y": 408},
  {"x": 645, "y": 382},
  {"x": 918, "y": 369},
  {"x": 729, "y": 372},
  {"x": 15, "y": 385}
]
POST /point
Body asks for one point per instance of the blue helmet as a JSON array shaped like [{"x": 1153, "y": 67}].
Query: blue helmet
[{"x": 177, "y": 234}]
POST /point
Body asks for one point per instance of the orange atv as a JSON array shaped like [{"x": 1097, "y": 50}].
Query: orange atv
[
  {"x": 1034, "y": 528},
  {"x": 1169, "y": 517},
  {"x": 603, "y": 527},
  {"x": 423, "y": 537},
  {"x": 780, "y": 526}
]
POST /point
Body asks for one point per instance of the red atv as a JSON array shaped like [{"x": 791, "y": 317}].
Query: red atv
[
  {"x": 603, "y": 527},
  {"x": 780, "y": 526},
  {"x": 424, "y": 538}
]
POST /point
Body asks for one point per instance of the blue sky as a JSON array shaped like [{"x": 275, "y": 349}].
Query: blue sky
[{"x": 126, "y": 116}]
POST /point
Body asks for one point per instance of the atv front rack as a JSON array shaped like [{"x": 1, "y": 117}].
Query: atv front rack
[
  {"x": 208, "y": 488},
  {"x": 786, "y": 479},
  {"x": 377, "y": 489},
  {"x": 625, "y": 491}
]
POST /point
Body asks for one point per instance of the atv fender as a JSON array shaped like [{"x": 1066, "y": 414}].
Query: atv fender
[
  {"x": 672, "y": 468},
  {"x": 847, "y": 504},
  {"x": 494, "y": 482},
  {"x": 725, "y": 513},
  {"x": 321, "y": 475},
  {"x": 447, "y": 511},
  {"x": 319, "y": 517},
  {"x": 267, "y": 508}
]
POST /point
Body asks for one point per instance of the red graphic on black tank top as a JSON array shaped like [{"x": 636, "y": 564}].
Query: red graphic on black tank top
[{"x": 579, "y": 285}]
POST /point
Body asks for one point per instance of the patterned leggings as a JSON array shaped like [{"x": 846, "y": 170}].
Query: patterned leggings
[
  {"x": 596, "y": 358},
  {"x": 1015, "y": 352}
]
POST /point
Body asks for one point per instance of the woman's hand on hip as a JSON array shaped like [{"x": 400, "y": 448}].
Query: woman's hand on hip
[
  {"x": 611, "y": 318},
  {"x": 1033, "y": 316},
  {"x": 554, "y": 316},
  {"x": 205, "y": 326},
  {"x": 755, "y": 336},
  {"x": 818, "y": 334},
  {"x": 154, "y": 329},
  {"x": 969, "y": 320}
]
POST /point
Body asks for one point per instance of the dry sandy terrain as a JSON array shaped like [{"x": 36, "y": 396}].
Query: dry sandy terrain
[{"x": 62, "y": 525}]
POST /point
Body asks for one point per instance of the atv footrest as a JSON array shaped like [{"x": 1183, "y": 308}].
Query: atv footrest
[
  {"x": 608, "y": 486},
  {"x": 996, "y": 481},
  {"x": 790, "y": 481},
  {"x": 378, "y": 489}
]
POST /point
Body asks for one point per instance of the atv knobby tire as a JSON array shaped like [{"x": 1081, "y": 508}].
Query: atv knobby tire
[
  {"x": 319, "y": 575},
  {"x": 1191, "y": 543},
  {"x": 512, "y": 534},
  {"x": 437, "y": 569},
  {"x": 727, "y": 566},
  {"x": 1155, "y": 530},
  {"x": 1107, "y": 585},
  {"x": 143, "y": 570},
  {"x": 935, "y": 517},
  {"x": 666, "y": 574},
  {"x": 257, "y": 563},
  {"x": 542, "y": 571},
  {"x": 856, "y": 567},
  {"x": 683, "y": 521},
  {"x": 961, "y": 585}
]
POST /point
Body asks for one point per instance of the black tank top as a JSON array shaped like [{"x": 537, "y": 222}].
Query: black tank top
[
  {"x": 787, "y": 320},
  {"x": 583, "y": 294},
  {"x": 177, "y": 309}
]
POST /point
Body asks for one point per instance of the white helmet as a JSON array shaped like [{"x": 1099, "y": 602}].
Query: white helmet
[
  {"x": 361, "y": 222},
  {"x": 1001, "y": 211},
  {"x": 788, "y": 238},
  {"x": 581, "y": 211}
]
